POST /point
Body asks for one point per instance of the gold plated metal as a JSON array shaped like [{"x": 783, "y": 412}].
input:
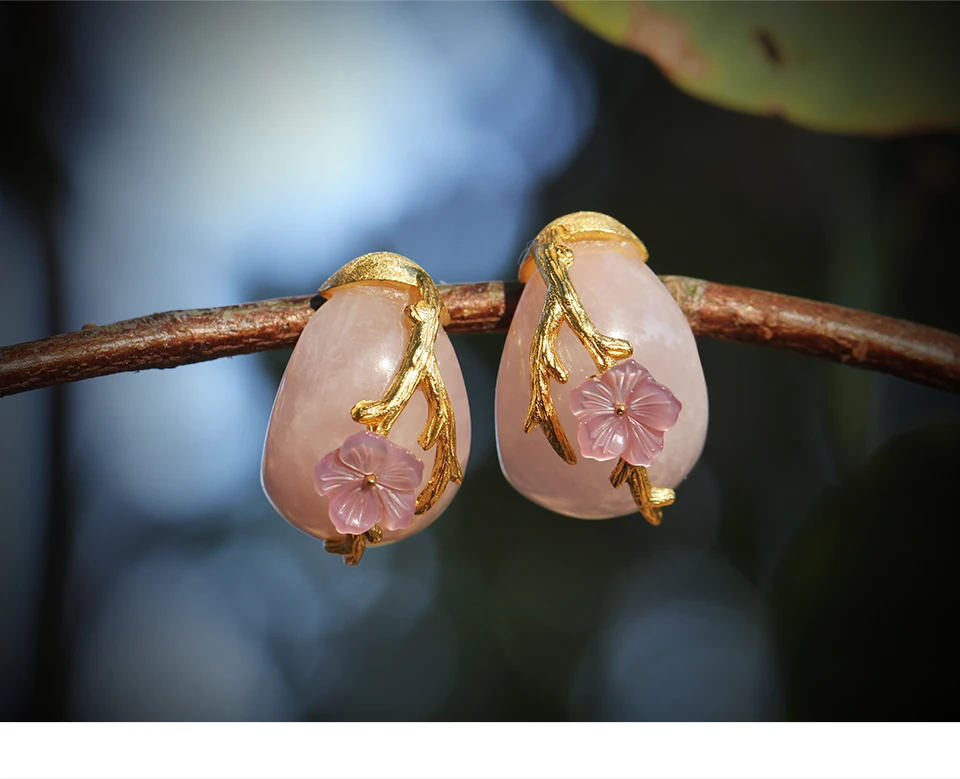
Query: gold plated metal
[
  {"x": 551, "y": 255},
  {"x": 650, "y": 500},
  {"x": 417, "y": 370},
  {"x": 584, "y": 226},
  {"x": 383, "y": 268},
  {"x": 351, "y": 547}
]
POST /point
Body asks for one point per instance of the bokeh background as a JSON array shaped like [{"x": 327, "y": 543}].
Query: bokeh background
[{"x": 157, "y": 157}]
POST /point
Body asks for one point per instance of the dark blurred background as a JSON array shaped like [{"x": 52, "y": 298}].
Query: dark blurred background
[{"x": 175, "y": 156}]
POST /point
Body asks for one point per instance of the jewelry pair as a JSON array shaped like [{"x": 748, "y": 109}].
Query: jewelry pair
[{"x": 370, "y": 430}]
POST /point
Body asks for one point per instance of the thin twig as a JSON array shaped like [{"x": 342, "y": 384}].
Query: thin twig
[{"x": 858, "y": 338}]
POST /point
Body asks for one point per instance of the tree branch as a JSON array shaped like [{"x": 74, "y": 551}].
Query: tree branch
[{"x": 905, "y": 349}]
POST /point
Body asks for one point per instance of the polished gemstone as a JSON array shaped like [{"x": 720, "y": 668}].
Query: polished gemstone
[
  {"x": 626, "y": 300},
  {"x": 348, "y": 352}
]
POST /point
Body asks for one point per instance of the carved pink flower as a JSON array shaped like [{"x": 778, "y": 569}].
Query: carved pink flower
[
  {"x": 624, "y": 413},
  {"x": 369, "y": 481}
]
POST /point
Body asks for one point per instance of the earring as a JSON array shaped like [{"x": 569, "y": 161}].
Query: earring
[
  {"x": 353, "y": 454},
  {"x": 628, "y": 381}
]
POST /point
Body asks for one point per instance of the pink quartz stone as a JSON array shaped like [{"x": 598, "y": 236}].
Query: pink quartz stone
[
  {"x": 626, "y": 300},
  {"x": 348, "y": 352}
]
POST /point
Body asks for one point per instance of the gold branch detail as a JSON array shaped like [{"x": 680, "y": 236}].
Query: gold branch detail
[
  {"x": 419, "y": 369},
  {"x": 440, "y": 431},
  {"x": 562, "y": 304},
  {"x": 379, "y": 415},
  {"x": 351, "y": 547},
  {"x": 650, "y": 500}
]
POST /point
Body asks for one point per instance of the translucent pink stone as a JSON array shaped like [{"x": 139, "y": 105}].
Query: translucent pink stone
[
  {"x": 625, "y": 299},
  {"x": 348, "y": 352}
]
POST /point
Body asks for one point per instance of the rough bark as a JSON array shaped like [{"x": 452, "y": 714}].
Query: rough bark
[{"x": 857, "y": 338}]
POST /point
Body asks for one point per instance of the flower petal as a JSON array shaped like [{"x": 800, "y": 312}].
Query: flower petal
[
  {"x": 355, "y": 509},
  {"x": 398, "y": 507},
  {"x": 365, "y": 451},
  {"x": 591, "y": 396},
  {"x": 400, "y": 469},
  {"x": 330, "y": 474},
  {"x": 622, "y": 378},
  {"x": 643, "y": 444},
  {"x": 653, "y": 405},
  {"x": 602, "y": 438}
]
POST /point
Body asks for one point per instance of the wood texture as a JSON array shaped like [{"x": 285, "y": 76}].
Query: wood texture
[{"x": 857, "y": 338}]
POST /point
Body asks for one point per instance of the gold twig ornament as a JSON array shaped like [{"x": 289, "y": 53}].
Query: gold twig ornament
[
  {"x": 650, "y": 500},
  {"x": 417, "y": 370},
  {"x": 562, "y": 305}
]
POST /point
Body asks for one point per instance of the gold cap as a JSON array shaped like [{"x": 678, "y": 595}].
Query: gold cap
[
  {"x": 584, "y": 226},
  {"x": 383, "y": 269}
]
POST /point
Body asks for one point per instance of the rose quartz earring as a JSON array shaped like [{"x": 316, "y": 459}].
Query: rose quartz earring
[
  {"x": 354, "y": 454},
  {"x": 628, "y": 387}
]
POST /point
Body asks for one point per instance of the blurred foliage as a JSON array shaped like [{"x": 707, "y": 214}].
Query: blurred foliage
[{"x": 872, "y": 68}]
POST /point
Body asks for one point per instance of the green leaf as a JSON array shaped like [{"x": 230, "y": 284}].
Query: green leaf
[{"x": 871, "y": 68}]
